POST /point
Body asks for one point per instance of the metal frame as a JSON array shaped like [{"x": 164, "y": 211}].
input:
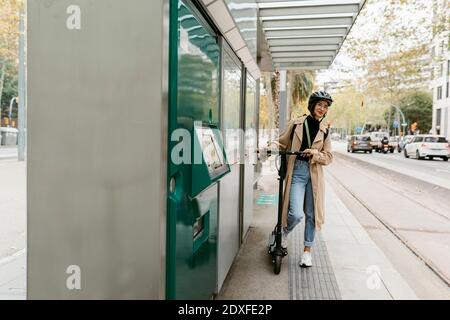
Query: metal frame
[
  {"x": 219, "y": 12},
  {"x": 164, "y": 146},
  {"x": 226, "y": 49},
  {"x": 242, "y": 155},
  {"x": 309, "y": 25}
]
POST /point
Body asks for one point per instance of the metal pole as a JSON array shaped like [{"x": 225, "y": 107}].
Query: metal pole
[
  {"x": 365, "y": 119},
  {"x": 22, "y": 96},
  {"x": 401, "y": 113},
  {"x": 283, "y": 101},
  {"x": 10, "y": 110}
]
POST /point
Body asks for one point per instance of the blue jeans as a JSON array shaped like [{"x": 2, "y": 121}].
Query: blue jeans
[{"x": 301, "y": 197}]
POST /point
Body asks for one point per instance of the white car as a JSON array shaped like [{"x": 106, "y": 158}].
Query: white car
[
  {"x": 335, "y": 136},
  {"x": 375, "y": 139},
  {"x": 428, "y": 146}
]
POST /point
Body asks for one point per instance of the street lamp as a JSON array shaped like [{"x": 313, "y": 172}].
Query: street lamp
[
  {"x": 10, "y": 110},
  {"x": 404, "y": 124}
]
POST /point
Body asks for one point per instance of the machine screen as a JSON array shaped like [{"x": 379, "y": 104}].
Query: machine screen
[{"x": 212, "y": 153}]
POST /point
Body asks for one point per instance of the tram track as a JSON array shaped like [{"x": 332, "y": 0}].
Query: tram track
[
  {"x": 390, "y": 228},
  {"x": 402, "y": 194}
]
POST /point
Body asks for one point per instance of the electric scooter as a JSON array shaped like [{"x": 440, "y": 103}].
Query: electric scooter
[{"x": 276, "y": 251}]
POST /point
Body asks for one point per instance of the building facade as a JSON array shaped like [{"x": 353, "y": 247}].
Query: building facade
[{"x": 440, "y": 75}]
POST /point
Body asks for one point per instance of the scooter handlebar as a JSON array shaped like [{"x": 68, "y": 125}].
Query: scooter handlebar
[
  {"x": 293, "y": 153},
  {"x": 281, "y": 152}
]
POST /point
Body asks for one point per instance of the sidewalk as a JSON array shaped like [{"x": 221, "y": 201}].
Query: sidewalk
[
  {"x": 12, "y": 229},
  {"x": 347, "y": 263},
  {"x": 13, "y": 276}
]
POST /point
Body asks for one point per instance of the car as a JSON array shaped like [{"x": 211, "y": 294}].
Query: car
[
  {"x": 393, "y": 144},
  {"x": 335, "y": 136},
  {"x": 375, "y": 139},
  {"x": 403, "y": 142},
  {"x": 428, "y": 146},
  {"x": 359, "y": 143}
]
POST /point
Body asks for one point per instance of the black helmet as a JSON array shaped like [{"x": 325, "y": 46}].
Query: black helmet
[{"x": 317, "y": 96}]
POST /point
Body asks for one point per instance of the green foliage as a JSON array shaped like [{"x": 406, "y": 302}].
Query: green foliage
[
  {"x": 9, "y": 32},
  {"x": 390, "y": 43},
  {"x": 417, "y": 106},
  {"x": 302, "y": 85},
  {"x": 10, "y": 90},
  {"x": 275, "y": 90},
  {"x": 9, "y": 44},
  {"x": 346, "y": 111}
]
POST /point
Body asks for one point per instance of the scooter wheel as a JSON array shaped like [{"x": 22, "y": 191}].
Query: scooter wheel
[{"x": 277, "y": 264}]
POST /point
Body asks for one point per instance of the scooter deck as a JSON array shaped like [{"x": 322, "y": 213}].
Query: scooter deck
[{"x": 273, "y": 249}]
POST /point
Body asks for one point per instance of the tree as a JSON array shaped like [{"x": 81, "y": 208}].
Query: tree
[
  {"x": 263, "y": 112},
  {"x": 9, "y": 41},
  {"x": 390, "y": 27},
  {"x": 397, "y": 72},
  {"x": 10, "y": 89},
  {"x": 267, "y": 108},
  {"x": 417, "y": 106},
  {"x": 346, "y": 111},
  {"x": 394, "y": 57},
  {"x": 441, "y": 21},
  {"x": 301, "y": 84},
  {"x": 275, "y": 91}
]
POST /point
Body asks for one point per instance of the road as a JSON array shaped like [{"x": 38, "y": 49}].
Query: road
[
  {"x": 409, "y": 218},
  {"x": 434, "y": 171}
]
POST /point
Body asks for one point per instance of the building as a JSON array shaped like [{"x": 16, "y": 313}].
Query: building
[{"x": 440, "y": 71}]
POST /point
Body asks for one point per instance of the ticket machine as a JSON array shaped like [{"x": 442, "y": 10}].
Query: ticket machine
[
  {"x": 193, "y": 211},
  {"x": 194, "y": 110}
]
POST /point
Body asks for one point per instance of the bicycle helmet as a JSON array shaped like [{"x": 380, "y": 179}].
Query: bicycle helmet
[{"x": 316, "y": 97}]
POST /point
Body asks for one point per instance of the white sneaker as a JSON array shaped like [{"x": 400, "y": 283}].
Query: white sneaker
[
  {"x": 284, "y": 240},
  {"x": 306, "y": 260}
]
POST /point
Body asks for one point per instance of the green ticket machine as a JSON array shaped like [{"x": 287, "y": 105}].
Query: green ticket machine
[{"x": 197, "y": 159}]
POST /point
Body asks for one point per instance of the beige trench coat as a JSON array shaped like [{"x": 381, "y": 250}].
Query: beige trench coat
[{"x": 322, "y": 158}]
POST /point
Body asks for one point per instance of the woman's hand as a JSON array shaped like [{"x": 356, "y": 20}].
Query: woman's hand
[{"x": 311, "y": 152}]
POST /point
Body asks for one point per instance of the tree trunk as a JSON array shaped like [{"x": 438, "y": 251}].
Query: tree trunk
[
  {"x": 2, "y": 79},
  {"x": 2, "y": 82},
  {"x": 275, "y": 87},
  {"x": 269, "y": 101}
]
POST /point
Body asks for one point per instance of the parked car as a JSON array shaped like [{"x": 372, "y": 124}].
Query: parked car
[
  {"x": 359, "y": 143},
  {"x": 428, "y": 146},
  {"x": 404, "y": 141}
]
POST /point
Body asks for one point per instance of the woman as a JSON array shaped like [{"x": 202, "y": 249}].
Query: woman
[{"x": 304, "y": 186}]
